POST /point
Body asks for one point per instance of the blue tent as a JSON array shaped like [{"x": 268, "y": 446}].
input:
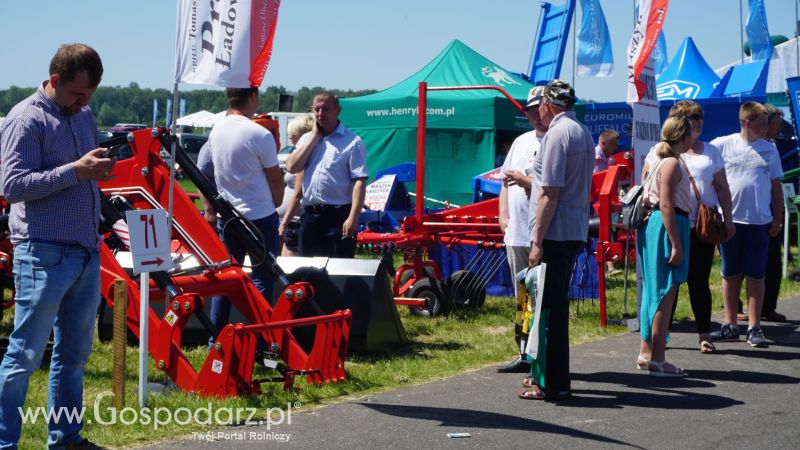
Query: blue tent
[{"x": 688, "y": 76}]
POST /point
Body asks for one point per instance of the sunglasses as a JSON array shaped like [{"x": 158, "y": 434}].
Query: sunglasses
[{"x": 695, "y": 117}]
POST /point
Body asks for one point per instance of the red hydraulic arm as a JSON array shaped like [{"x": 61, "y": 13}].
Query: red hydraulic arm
[{"x": 143, "y": 182}]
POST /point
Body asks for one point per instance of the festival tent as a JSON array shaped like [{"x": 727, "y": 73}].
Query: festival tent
[
  {"x": 463, "y": 127},
  {"x": 194, "y": 119},
  {"x": 783, "y": 64},
  {"x": 687, "y": 76}
]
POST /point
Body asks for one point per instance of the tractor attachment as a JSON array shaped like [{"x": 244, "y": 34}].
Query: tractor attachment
[{"x": 203, "y": 269}]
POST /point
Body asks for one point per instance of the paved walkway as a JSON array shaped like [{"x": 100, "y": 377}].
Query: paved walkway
[{"x": 741, "y": 397}]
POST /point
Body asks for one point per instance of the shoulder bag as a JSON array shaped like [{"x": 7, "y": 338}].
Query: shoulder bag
[{"x": 710, "y": 227}]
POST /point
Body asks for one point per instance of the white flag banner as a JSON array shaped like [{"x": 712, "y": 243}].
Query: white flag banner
[
  {"x": 224, "y": 42},
  {"x": 649, "y": 23}
]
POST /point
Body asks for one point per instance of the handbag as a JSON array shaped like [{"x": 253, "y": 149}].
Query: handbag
[
  {"x": 710, "y": 227},
  {"x": 635, "y": 211}
]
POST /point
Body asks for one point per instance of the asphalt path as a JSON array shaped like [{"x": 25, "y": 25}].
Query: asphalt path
[{"x": 740, "y": 397}]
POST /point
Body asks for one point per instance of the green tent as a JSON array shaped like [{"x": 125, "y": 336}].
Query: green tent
[{"x": 464, "y": 127}]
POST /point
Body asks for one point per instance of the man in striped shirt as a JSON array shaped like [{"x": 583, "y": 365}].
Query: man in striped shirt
[{"x": 51, "y": 166}]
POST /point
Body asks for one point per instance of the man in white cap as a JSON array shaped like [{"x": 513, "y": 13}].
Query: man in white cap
[{"x": 514, "y": 205}]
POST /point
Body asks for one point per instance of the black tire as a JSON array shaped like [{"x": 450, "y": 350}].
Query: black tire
[
  {"x": 435, "y": 305},
  {"x": 465, "y": 290},
  {"x": 794, "y": 276}
]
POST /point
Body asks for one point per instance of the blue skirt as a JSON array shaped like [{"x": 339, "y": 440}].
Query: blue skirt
[{"x": 653, "y": 250}]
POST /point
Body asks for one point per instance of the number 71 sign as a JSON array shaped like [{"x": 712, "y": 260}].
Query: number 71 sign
[{"x": 150, "y": 243}]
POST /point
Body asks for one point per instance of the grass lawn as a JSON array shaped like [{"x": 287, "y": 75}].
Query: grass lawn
[{"x": 440, "y": 347}]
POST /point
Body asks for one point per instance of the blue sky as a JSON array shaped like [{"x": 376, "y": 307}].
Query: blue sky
[{"x": 351, "y": 44}]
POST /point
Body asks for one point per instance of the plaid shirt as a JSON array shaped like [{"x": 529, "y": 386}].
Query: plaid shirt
[{"x": 38, "y": 148}]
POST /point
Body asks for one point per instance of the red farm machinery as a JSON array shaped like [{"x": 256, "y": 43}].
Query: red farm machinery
[{"x": 143, "y": 182}]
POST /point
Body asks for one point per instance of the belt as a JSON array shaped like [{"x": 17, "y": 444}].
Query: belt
[
  {"x": 324, "y": 208},
  {"x": 677, "y": 210},
  {"x": 50, "y": 242}
]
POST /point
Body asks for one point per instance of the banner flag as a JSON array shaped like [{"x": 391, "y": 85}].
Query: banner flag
[
  {"x": 660, "y": 54},
  {"x": 169, "y": 112},
  {"x": 595, "y": 57},
  {"x": 758, "y": 32},
  {"x": 648, "y": 26},
  {"x": 224, "y": 42},
  {"x": 182, "y": 108},
  {"x": 155, "y": 111}
]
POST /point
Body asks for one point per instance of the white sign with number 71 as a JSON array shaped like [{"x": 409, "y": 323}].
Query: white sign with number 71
[{"x": 150, "y": 243}]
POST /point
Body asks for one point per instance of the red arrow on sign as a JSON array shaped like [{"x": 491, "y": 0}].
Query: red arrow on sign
[{"x": 153, "y": 262}]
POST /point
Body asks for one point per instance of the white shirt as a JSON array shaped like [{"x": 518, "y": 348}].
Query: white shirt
[
  {"x": 600, "y": 159},
  {"x": 702, "y": 167},
  {"x": 750, "y": 167},
  {"x": 336, "y": 161},
  {"x": 240, "y": 151},
  {"x": 520, "y": 157}
]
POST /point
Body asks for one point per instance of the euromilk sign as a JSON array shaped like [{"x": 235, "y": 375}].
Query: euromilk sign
[{"x": 615, "y": 116}]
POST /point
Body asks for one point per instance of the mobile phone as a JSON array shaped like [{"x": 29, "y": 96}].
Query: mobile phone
[{"x": 112, "y": 152}]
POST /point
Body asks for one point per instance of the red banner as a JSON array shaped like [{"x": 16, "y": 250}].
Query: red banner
[{"x": 652, "y": 14}]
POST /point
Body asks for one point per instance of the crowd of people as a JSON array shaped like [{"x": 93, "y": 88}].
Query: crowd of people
[
  {"x": 739, "y": 175},
  {"x": 50, "y": 159}
]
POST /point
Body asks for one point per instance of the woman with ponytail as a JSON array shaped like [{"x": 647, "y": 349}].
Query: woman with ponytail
[{"x": 662, "y": 246}]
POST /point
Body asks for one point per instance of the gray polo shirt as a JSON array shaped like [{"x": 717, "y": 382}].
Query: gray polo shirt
[{"x": 565, "y": 160}]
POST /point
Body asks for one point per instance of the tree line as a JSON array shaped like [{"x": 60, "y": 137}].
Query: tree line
[{"x": 133, "y": 104}]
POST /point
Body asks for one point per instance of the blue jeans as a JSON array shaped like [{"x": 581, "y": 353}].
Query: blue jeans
[
  {"x": 58, "y": 289},
  {"x": 261, "y": 276}
]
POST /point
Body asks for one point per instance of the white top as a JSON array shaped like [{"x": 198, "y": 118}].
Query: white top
[
  {"x": 337, "y": 160},
  {"x": 565, "y": 160},
  {"x": 750, "y": 167},
  {"x": 702, "y": 167},
  {"x": 240, "y": 151},
  {"x": 520, "y": 157},
  {"x": 600, "y": 159}
]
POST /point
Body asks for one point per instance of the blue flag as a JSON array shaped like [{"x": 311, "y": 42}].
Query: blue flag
[
  {"x": 169, "y": 112},
  {"x": 594, "y": 43},
  {"x": 155, "y": 111},
  {"x": 182, "y": 108},
  {"x": 758, "y": 32},
  {"x": 659, "y": 54}
]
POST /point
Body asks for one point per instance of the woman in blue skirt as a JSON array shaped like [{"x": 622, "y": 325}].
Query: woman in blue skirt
[{"x": 662, "y": 245}]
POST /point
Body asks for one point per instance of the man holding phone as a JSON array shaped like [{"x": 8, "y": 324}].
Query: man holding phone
[
  {"x": 51, "y": 167},
  {"x": 513, "y": 208},
  {"x": 334, "y": 161}
]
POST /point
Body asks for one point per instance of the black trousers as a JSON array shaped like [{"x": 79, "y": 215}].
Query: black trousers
[
  {"x": 560, "y": 259},
  {"x": 701, "y": 256},
  {"x": 320, "y": 233}
]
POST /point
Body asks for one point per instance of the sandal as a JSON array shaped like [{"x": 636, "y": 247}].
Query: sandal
[
  {"x": 528, "y": 382},
  {"x": 642, "y": 363},
  {"x": 536, "y": 393},
  {"x": 532, "y": 393},
  {"x": 663, "y": 369},
  {"x": 707, "y": 347}
]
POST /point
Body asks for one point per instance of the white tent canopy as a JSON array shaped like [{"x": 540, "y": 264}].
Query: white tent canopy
[
  {"x": 782, "y": 65},
  {"x": 211, "y": 120},
  {"x": 193, "y": 119}
]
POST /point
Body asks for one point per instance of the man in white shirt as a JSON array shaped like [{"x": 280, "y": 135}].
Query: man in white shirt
[
  {"x": 753, "y": 169},
  {"x": 513, "y": 207},
  {"x": 607, "y": 145},
  {"x": 246, "y": 173},
  {"x": 333, "y": 160}
]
